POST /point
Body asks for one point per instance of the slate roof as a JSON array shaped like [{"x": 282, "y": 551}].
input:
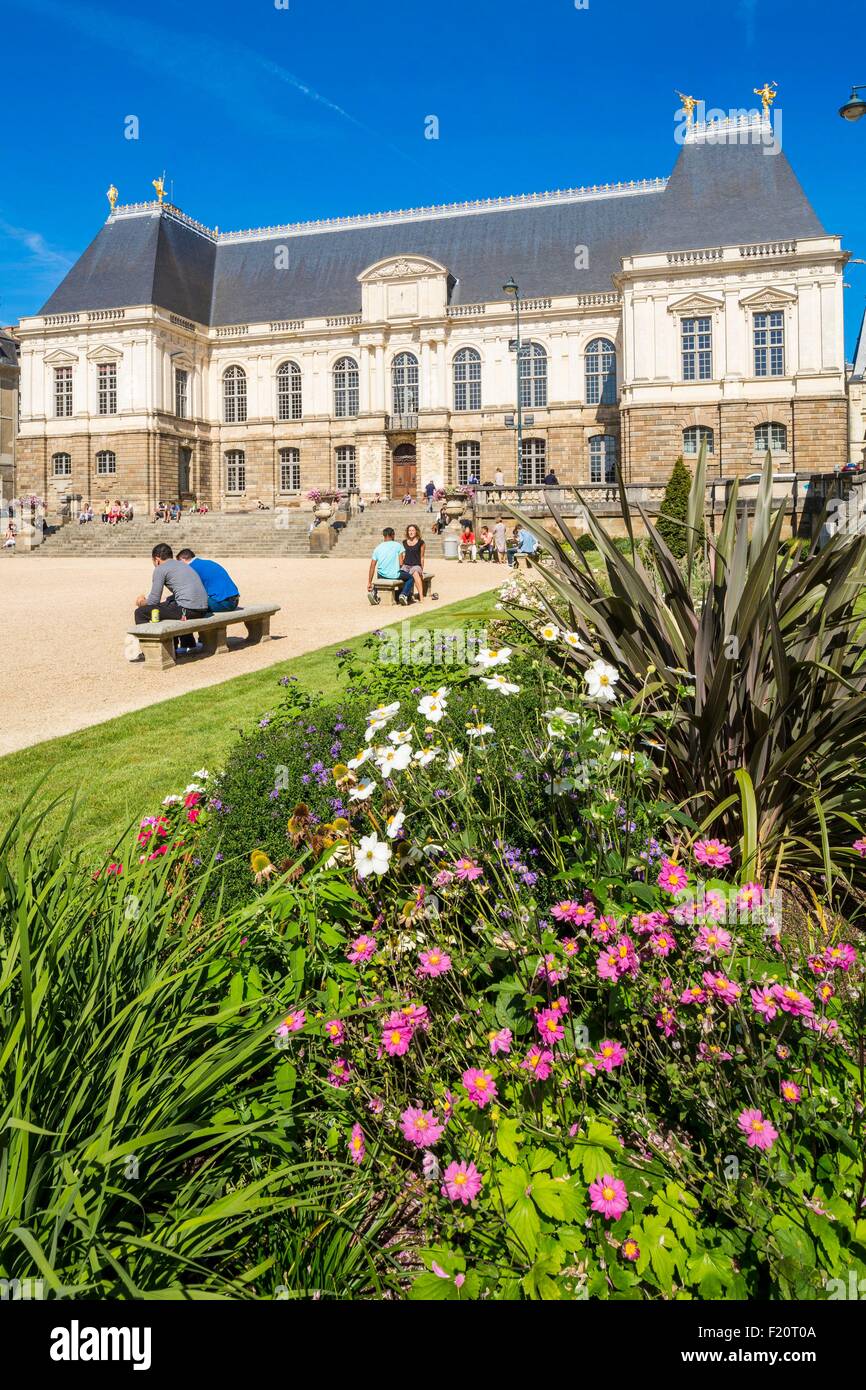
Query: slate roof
[
  {"x": 718, "y": 194},
  {"x": 8, "y": 351}
]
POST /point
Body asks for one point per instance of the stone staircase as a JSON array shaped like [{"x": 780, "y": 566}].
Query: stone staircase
[
  {"x": 217, "y": 534},
  {"x": 224, "y": 535},
  {"x": 364, "y": 532}
]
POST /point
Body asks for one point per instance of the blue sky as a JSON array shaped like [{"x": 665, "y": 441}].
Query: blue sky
[{"x": 263, "y": 115}]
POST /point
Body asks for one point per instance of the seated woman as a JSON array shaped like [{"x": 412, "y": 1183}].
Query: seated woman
[
  {"x": 9, "y": 541},
  {"x": 412, "y": 558},
  {"x": 486, "y": 544},
  {"x": 441, "y": 521}
]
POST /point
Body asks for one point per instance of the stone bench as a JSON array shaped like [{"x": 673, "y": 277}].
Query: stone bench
[
  {"x": 393, "y": 586},
  {"x": 157, "y": 639}
]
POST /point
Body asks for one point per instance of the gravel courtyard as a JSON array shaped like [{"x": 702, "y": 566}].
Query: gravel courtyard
[{"x": 64, "y": 668}]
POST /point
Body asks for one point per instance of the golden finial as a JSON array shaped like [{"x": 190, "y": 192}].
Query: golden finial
[
  {"x": 768, "y": 94},
  {"x": 689, "y": 104},
  {"x": 159, "y": 185},
  {"x": 111, "y": 195}
]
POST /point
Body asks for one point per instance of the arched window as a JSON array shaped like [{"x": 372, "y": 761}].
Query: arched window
[
  {"x": 468, "y": 461},
  {"x": 236, "y": 471},
  {"x": 345, "y": 387},
  {"x": 772, "y": 436},
  {"x": 533, "y": 462},
  {"x": 106, "y": 462},
  {"x": 61, "y": 465},
  {"x": 290, "y": 470},
  {"x": 289, "y": 398},
  {"x": 347, "y": 468},
  {"x": 694, "y": 437},
  {"x": 234, "y": 395},
  {"x": 404, "y": 384},
  {"x": 467, "y": 379},
  {"x": 602, "y": 458},
  {"x": 533, "y": 376},
  {"x": 601, "y": 372}
]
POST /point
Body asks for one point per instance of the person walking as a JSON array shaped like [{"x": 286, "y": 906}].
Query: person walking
[
  {"x": 500, "y": 542},
  {"x": 430, "y": 493}
]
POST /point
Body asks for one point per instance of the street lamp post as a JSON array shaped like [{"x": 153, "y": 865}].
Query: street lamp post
[
  {"x": 513, "y": 291},
  {"x": 855, "y": 106}
]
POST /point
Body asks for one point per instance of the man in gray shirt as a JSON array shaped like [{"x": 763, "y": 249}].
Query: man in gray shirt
[{"x": 188, "y": 596}]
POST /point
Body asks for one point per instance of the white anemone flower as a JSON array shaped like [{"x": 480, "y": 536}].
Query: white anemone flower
[
  {"x": 360, "y": 758},
  {"x": 501, "y": 684},
  {"x": 600, "y": 680},
  {"x": 492, "y": 656},
  {"x": 549, "y": 632},
  {"x": 454, "y": 760},
  {"x": 391, "y": 760},
  {"x": 400, "y": 735},
  {"x": 372, "y": 856},
  {"x": 559, "y": 719},
  {"x": 433, "y": 706},
  {"x": 622, "y": 755},
  {"x": 395, "y": 823},
  {"x": 424, "y": 756},
  {"x": 385, "y": 712},
  {"x": 571, "y": 639},
  {"x": 373, "y": 728},
  {"x": 479, "y": 730},
  {"x": 364, "y": 789}
]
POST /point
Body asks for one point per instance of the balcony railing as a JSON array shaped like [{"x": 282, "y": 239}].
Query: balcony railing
[{"x": 401, "y": 422}]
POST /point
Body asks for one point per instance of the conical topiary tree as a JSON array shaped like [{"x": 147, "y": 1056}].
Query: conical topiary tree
[{"x": 671, "y": 524}]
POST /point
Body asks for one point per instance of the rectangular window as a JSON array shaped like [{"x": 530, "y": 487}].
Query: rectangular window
[
  {"x": 62, "y": 465},
  {"x": 181, "y": 393},
  {"x": 697, "y": 349},
  {"x": 106, "y": 462},
  {"x": 236, "y": 471},
  {"x": 106, "y": 388},
  {"x": 62, "y": 391},
  {"x": 769, "y": 338},
  {"x": 468, "y": 461},
  {"x": 347, "y": 469},
  {"x": 290, "y": 470}
]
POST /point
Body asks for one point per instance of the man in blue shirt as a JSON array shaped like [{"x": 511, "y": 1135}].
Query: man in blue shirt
[
  {"x": 222, "y": 591},
  {"x": 385, "y": 564}
]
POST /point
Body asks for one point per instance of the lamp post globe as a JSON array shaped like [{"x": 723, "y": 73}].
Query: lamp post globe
[{"x": 855, "y": 106}]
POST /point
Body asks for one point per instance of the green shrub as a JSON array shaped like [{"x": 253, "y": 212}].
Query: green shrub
[
  {"x": 759, "y": 683},
  {"x": 287, "y": 758},
  {"x": 672, "y": 524}
]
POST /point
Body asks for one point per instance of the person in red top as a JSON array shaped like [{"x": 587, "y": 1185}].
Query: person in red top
[{"x": 467, "y": 543}]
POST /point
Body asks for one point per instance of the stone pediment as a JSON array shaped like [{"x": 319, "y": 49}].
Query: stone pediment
[
  {"x": 768, "y": 298},
  {"x": 59, "y": 358},
  {"x": 695, "y": 304},
  {"x": 104, "y": 353},
  {"x": 402, "y": 268}
]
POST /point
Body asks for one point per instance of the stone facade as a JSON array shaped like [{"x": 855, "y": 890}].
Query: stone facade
[
  {"x": 8, "y": 412},
  {"x": 167, "y": 442}
]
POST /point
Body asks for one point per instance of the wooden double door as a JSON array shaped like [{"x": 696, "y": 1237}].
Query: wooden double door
[{"x": 404, "y": 473}]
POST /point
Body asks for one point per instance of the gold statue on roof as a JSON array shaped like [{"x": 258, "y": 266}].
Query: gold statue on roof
[
  {"x": 689, "y": 104},
  {"x": 768, "y": 94},
  {"x": 159, "y": 185},
  {"x": 111, "y": 195}
]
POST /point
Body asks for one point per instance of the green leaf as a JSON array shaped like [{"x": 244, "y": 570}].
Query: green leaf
[
  {"x": 508, "y": 1139},
  {"x": 429, "y": 1288},
  {"x": 513, "y": 1183},
  {"x": 525, "y": 1224}
]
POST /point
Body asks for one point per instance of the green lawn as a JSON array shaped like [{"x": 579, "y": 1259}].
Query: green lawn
[{"x": 120, "y": 770}]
